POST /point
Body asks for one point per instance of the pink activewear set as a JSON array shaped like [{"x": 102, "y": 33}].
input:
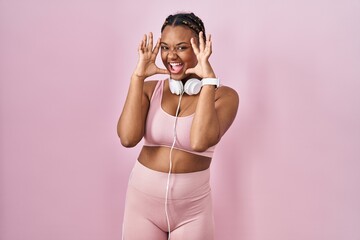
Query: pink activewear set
[{"x": 189, "y": 201}]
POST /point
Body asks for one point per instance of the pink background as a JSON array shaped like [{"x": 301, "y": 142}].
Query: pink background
[{"x": 288, "y": 169}]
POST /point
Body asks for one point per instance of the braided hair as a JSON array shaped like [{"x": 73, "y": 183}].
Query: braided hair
[{"x": 189, "y": 20}]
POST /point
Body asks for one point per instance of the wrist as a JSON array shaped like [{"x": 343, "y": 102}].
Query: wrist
[
  {"x": 215, "y": 82},
  {"x": 209, "y": 75},
  {"x": 208, "y": 72},
  {"x": 136, "y": 77}
]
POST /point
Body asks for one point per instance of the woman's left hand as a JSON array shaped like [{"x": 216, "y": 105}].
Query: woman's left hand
[{"x": 202, "y": 51}]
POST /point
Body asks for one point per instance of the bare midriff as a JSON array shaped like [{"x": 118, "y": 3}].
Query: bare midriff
[{"x": 158, "y": 158}]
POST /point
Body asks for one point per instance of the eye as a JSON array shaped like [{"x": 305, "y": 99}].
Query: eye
[
  {"x": 164, "y": 48},
  {"x": 181, "y": 48}
]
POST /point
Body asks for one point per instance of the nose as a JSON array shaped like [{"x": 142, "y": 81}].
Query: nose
[{"x": 172, "y": 53}]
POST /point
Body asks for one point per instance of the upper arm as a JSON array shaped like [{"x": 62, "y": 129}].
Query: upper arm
[
  {"x": 149, "y": 87},
  {"x": 132, "y": 121},
  {"x": 226, "y": 106}
]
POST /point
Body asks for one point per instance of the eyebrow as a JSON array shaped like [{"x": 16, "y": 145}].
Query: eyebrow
[{"x": 176, "y": 44}]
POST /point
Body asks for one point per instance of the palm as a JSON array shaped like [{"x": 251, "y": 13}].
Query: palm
[
  {"x": 202, "y": 52},
  {"x": 146, "y": 66}
]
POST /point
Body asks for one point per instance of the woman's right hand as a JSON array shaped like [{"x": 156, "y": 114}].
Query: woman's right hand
[{"x": 146, "y": 66}]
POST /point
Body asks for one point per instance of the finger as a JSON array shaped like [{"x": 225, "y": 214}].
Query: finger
[
  {"x": 209, "y": 44},
  {"x": 208, "y": 38},
  {"x": 142, "y": 44},
  {"x": 150, "y": 43},
  {"x": 190, "y": 71},
  {"x": 201, "y": 41},
  {"x": 140, "y": 49},
  {"x": 162, "y": 71},
  {"x": 194, "y": 46},
  {"x": 157, "y": 47}
]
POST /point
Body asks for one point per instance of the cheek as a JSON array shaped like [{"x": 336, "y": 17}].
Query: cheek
[
  {"x": 191, "y": 59},
  {"x": 163, "y": 58},
  {"x": 188, "y": 56}
]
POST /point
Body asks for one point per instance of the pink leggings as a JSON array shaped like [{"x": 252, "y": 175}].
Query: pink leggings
[{"x": 189, "y": 206}]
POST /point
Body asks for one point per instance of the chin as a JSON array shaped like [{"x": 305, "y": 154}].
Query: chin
[{"x": 177, "y": 77}]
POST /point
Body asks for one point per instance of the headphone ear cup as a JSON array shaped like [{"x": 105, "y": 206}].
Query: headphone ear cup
[
  {"x": 176, "y": 87},
  {"x": 192, "y": 86}
]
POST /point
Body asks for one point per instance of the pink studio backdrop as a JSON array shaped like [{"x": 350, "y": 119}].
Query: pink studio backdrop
[{"x": 286, "y": 170}]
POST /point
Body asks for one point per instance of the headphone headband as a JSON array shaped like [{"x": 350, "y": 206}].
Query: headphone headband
[{"x": 192, "y": 86}]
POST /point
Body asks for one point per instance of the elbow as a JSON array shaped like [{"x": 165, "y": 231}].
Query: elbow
[
  {"x": 199, "y": 146},
  {"x": 128, "y": 143},
  {"x": 129, "y": 139}
]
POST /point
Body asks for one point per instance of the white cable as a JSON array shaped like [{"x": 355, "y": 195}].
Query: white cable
[{"x": 170, "y": 167}]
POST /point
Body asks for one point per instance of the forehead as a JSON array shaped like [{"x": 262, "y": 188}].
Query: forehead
[{"x": 174, "y": 34}]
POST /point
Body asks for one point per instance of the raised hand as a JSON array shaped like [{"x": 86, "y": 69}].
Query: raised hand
[
  {"x": 146, "y": 66},
  {"x": 203, "y": 68}
]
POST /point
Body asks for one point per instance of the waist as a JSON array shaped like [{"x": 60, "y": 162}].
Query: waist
[
  {"x": 182, "y": 185},
  {"x": 208, "y": 153},
  {"x": 158, "y": 159}
]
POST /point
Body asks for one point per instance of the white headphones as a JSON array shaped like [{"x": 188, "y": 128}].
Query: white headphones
[{"x": 192, "y": 86}]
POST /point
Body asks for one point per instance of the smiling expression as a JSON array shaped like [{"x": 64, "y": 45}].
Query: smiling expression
[{"x": 176, "y": 51}]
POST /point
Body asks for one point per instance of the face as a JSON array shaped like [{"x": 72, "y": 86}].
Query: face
[{"x": 176, "y": 51}]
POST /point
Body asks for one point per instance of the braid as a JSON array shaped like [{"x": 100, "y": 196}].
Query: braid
[
  {"x": 189, "y": 20},
  {"x": 198, "y": 22}
]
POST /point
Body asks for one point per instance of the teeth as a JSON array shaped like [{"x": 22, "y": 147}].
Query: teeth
[{"x": 175, "y": 64}]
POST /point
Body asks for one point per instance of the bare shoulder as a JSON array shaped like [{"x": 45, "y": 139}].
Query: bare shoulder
[
  {"x": 149, "y": 87},
  {"x": 226, "y": 105},
  {"x": 227, "y": 93}
]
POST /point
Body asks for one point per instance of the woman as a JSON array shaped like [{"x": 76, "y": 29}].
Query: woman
[{"x": 181, "y": 118}]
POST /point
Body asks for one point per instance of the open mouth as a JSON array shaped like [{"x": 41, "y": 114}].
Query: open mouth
[{"x": 175, "y": 67}]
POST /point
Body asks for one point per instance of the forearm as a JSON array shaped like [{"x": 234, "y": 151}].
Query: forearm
[
  {"x": 131, "y": 122},
  {"x": 205, "y": 129}
]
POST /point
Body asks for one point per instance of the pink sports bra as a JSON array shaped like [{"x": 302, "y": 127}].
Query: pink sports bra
[{"x": 160, "y": 124}]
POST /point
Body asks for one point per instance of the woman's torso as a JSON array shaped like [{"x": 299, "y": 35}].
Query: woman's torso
[{"x": 158, "y": 157}]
